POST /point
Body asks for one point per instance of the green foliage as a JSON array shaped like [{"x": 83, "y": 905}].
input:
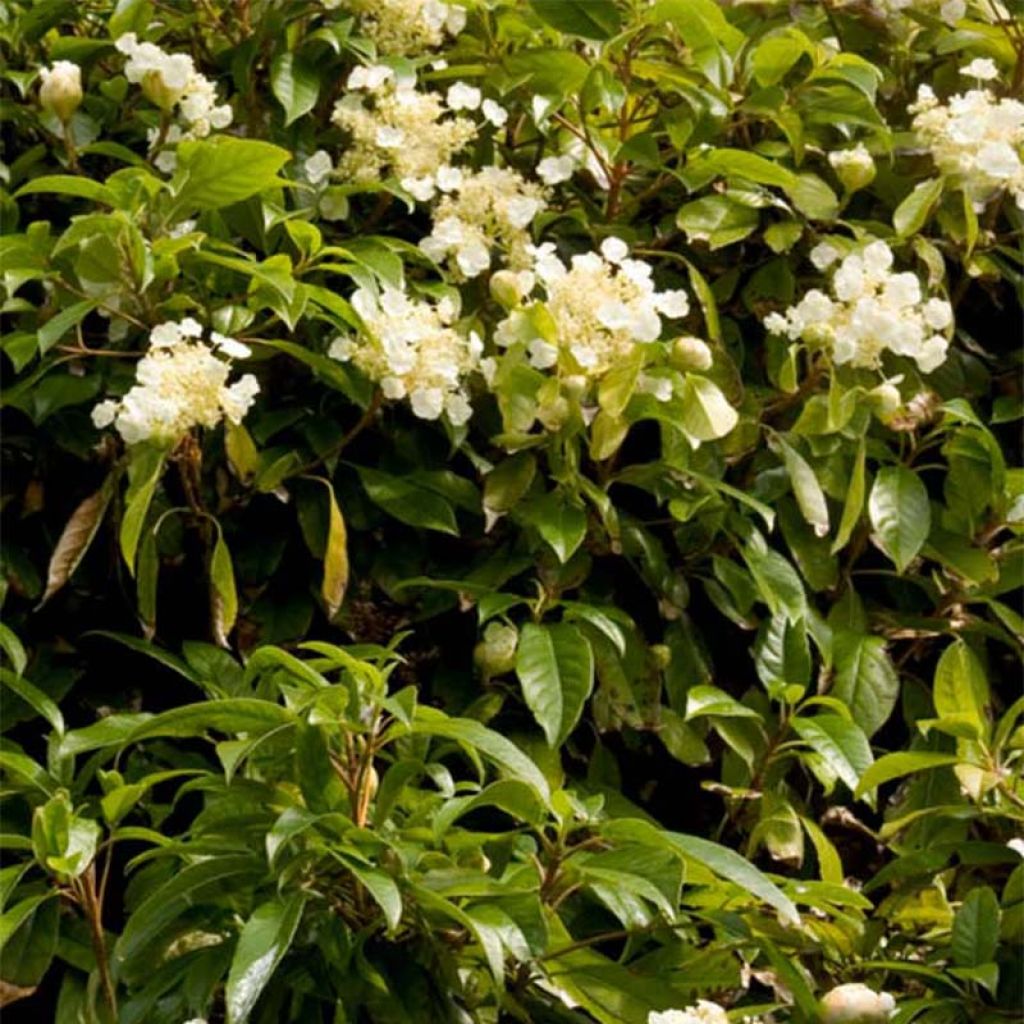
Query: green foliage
[{"x": 555, "y": 655}]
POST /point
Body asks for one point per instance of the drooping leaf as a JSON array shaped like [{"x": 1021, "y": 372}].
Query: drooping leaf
[
  {"x": 555, "y": 666},
  {"x": 262, "y": 944},
  {"x": 900, "y": 513}
]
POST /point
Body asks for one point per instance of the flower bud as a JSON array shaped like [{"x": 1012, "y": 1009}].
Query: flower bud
[
  {"x": 887, "y": 398},
  {"x": 661, "y": 655},
  {"x": 61, "y": 90},
  {"x": 506, "y": 288},
  {"x": 856, "y": 1004},
  {"x": 553, "y": 414},
  {"x": 854, "y": 167},
  {"x": 159, "y": 92},
  {"x": 690, "y": 353},
  {"x": 496, "y": 653}
]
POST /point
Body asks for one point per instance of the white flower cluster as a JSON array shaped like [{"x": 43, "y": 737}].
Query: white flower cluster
[
  {"x": 406, "y": 27},
  {"x": 181, "y": 383},
  {"x": 171, "y": 80},
  {"x": 703, "y": 1012},
  {"x": 871, "y": 309},
  {"x": 600, "y": 306},
  {"x": 975, "y": 138},
  {"x": 951, "y": 11},
  {"x": 412, "y": 350},
  {"x": 492, "y": 208},
  {"x": 398, "y": 131}
]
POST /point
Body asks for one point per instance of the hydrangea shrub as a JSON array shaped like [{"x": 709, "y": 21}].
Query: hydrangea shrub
[{"x": 512, "y": 511}]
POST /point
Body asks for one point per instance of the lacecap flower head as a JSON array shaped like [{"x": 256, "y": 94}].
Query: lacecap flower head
[{"x": 181, "y": 383}]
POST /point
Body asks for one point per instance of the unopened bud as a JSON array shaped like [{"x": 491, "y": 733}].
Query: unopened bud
[
  {"x": 856, "y": 1004},
  {"x": 887, "y": 398},
  {"x": 509, "y": 287},
  {"x": 689, "y": 353},
  {"x": 61, "y": 90},
  {"x": 854, "y": 167},
  {"x": 496, "y": 653}
]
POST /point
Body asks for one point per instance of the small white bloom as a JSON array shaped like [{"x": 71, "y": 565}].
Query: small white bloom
[
  {"x": 422, "y": 189},
  {"x": 104, "y": 413},
  {"x": 982, "y": 68},
  {"x": 823, "y": 255},
  {"x": 463, "y": 97},
  {"x": 614, "y": 250},
  {"x": 342, "y": 349},
  {"x": 1017, "y": 845},
  {"x": 448, "y": 178},
  {"x": 553, "y": 170},
  {"x": 542, "y": 354},
  {"x": 495, "y": 113},
  {"x": 319, "y": 166},
  {"x": 952, "y": 11},
  {"x": 230, "y": 346},
  {"x": 427, "y": 403},
  {"x": 674, "y": 304}
]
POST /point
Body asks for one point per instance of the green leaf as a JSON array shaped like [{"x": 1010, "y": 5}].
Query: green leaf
[
  {"x": 709, "y": 700},
  {"x": 854, "y": 502},
  {"x": 561, "y": 523},
  {"x": 212, "y": 877},
  {"x": 224, "y": 597},
  {"x": 591, "y": 19},
  {"x": 407, "y": 502},
  {"x": 382, "y": 888},
  {"x": 895, "y": 766},
  {"x": 809, "y": 496},
  {"x": 721, "y": 860},
  {"x": 494, "y": 746},
  {"x": 910, "y": 216},
  {"x": 777, "y": 53},
  {"x": 145, "y": 469},
  {"x": 555, "y": 666},
  {"x": 222, "y": 170},
  {"x": 230, "y": 715},
  {"x": 900, "y": 513},
  {"x": 717, "y": 220},
  {"x": 976, "y": 928},
  {"x": 57, "y": 326},
  {"x": 11, "y": 920},
  {"x": 264, "y": 940},
  {"x": 69, "y": 185},
  {"x": 961, "y": 686},
  {"x": 34, "y": 697},
  {"x": 336, "y": 568},
  {"x": 707, "y": 414},
  {"x": 865, "y": 679},
  {"x": 840, "y": 742},
  {"x": 295, "y": 82},
  {"x": 706, "y": 32}
]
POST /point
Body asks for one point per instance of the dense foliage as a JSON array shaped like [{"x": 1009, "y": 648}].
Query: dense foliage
[{"x": 510, "y": 511}]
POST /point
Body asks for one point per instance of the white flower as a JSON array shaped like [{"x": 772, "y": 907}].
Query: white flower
[
  {"x": 171, "y": 80},
  {"x": 600, "y": 310},
  {"x": 61, "y": 89},
  {"x": 542, "y": 355},
  {"x": 408, "y": 27},
  {"x": 975, "y": 139},
  {"x": 704, "y": 1012},
  {"x": 448, "y": 178},
  {"x": 823, "y": 255},
  {"x": 856, "y": 1004},
  {"x": 614, "y": 250},
  {"x": 982, "y": 68},
  {"x": 427, "y": 403},
  {"x": 370, "y": 77},
  {"x": 396, "y": 131},
  {"x": 689, "y": 353},
  {"x": 1017, "y": 845},
  {"x": 180, "y": 384},
  {"x": 463, "y": 97},
  {"x": 495, "y": 113},
  {"x": 229, "y": 346},
  {"x": 410, "y": 348},
  {"x": 873, "y": 310},
  {"x": 952, "y": 11},
  {"x": 491, "y": 209},
  {"x": 319, "y": 166},
  {"x": 553, "y": 170}
]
